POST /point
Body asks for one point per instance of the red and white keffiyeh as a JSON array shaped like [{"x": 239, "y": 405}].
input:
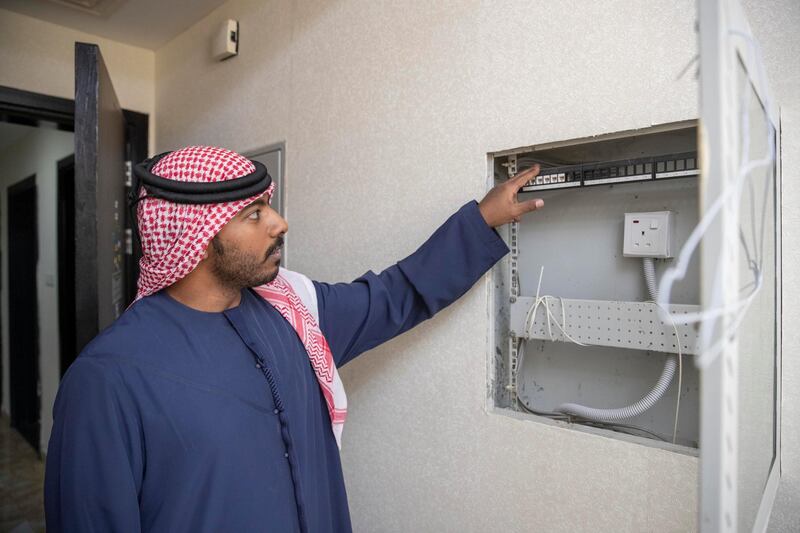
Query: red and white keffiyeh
[
  {"x": 174, "y": 239},
  {"x": 285, "y": 299}
]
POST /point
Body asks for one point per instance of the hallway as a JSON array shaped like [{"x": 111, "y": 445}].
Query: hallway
[{"x": 21, "y": 481}]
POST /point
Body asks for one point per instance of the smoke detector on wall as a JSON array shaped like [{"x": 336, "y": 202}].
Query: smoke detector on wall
[{"x": 226, "y": 40}]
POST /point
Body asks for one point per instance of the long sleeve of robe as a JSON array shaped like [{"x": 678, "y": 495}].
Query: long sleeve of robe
[{"x": 174, "y": 419}]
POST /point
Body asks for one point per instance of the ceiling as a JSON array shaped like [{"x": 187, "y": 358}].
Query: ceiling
[{"x": 144, "y": 23}]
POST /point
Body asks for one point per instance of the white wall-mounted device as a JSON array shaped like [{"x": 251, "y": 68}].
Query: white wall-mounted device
[
  {"x": 226, "y": 40},
  {"x": 649, "y": 234}
]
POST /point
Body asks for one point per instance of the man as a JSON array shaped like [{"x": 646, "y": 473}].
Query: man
[{"x": 213, "y": 403}]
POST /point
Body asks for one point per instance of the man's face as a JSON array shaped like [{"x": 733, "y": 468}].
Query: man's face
[{"x": 247, "y": 250}]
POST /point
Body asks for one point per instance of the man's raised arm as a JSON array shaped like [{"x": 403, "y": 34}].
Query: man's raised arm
[{"x": 358, "y": 316}]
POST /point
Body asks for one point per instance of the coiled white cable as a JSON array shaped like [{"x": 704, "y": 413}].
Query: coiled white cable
[{"x": 729, "y": 198}]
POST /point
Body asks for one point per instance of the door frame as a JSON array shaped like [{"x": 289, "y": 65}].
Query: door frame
[
  {"x": 28, "y": 108},
  {"x": 19, "y": 106}
]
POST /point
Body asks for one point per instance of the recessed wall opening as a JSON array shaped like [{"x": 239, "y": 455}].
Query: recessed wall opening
[{"x": 593, "y": 337}]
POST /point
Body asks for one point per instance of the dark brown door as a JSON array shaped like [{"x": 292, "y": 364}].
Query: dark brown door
[{"x": 99, "y": 197}]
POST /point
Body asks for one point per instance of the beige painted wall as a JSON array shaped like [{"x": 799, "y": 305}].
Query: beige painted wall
[
  {"x": 37, "y": 153},
  {"x": 39, "y": 56},
  {"x": 388, "y": 110}
]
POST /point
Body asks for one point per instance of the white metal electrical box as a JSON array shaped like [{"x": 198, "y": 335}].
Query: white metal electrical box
[{"x": 578, "y": 339}]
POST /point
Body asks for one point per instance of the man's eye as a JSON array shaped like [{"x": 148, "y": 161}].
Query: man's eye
[{"x": 254, "y": 215}]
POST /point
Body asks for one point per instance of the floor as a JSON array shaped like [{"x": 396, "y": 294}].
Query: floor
[{"x": 21, "y": 483}]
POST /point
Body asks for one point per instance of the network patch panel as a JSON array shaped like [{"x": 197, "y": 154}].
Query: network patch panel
[{"x": 622, "y": 171}]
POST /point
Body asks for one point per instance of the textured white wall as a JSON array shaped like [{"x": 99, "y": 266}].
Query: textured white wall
[
  {"x": 37, "y": 153},
  {"x": 388, "y": 110},
  {"x": 39, "y": 56}
]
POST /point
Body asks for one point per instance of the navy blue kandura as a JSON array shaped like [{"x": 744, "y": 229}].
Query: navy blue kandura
[{"x": 174, "y": 419}]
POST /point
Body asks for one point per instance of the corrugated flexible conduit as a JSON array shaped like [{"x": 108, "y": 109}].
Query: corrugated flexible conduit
[{"x": 650, "y": 399}]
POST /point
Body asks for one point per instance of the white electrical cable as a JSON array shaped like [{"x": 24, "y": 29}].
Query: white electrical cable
[
  {"x": 731, "y": 196},
  {"x": 531, "y": 315},
  {"x": 680, "y": 374}
]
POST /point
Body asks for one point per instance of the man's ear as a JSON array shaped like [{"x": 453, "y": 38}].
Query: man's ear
[{"x": 211, "y": 249}]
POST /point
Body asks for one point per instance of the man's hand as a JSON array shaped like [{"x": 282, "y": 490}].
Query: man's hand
[{"x": 500, "y": 205}]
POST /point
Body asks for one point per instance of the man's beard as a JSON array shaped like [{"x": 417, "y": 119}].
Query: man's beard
[{"x": 238, "y": 270}]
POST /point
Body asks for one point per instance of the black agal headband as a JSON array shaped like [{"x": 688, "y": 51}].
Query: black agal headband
[{"x": 188, "y": 192}]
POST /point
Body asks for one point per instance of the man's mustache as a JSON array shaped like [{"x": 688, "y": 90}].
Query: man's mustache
[{"x": 277, "y": 244}]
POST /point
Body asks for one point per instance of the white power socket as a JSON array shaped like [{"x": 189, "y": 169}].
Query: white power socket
[{"x": 649, "y": 234}]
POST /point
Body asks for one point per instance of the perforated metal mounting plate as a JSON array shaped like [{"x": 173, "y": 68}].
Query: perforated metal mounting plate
[{"x": 634, "y": 325}]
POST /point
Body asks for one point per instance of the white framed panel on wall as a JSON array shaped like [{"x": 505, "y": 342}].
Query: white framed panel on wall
[{"x": 740, "y": 360}]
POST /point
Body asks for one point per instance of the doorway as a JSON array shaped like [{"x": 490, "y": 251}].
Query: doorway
[
  {"x": 65, "y": 176},
  {"x": 23, "y": 255}
]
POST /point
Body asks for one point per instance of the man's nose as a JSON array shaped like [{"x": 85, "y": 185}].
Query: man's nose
[{"x": 279, "y": 227}]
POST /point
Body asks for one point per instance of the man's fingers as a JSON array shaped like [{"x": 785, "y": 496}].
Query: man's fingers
[
  {"x": 524, "y": 177},
  {"x": 531, "y": 205},
  {"x": 528, "y": 172}
]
